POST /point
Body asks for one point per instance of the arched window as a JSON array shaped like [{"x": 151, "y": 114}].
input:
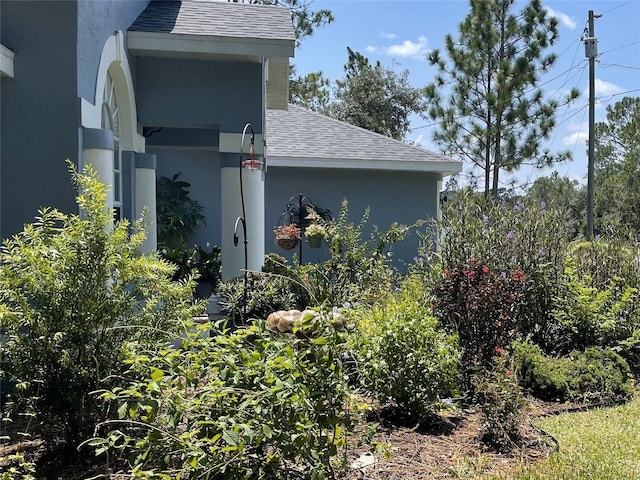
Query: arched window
[{"x": 111, "y": 121}]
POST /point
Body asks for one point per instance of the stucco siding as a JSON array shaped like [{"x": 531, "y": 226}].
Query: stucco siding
[
  {"x": 97, "y": 21},
  {"x": 402, "y": 197},
  {"x": 39, "y": 115},
  {"x": 199, "y": 93}
]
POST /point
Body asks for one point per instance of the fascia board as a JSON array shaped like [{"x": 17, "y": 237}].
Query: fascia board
[
  {"x": 446, "y": 168},
  {"x": 208, "y": 44},
  {"x": 6, "y": 62}
]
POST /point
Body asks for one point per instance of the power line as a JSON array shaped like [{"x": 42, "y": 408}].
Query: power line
[
  {"x": 620, "y": 47},
  {"x": 609, "y": 97},
  {"x": 609, "y": 65},
  {"x": 616, "y": 7}
]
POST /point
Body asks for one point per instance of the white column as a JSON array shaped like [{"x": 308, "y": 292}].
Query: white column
[
  {"x": 233, "y": 261},
  {"x": 146, "y": 202},
  {"x": 145, "y": 198},
  {"x": 97, "y": 151}
]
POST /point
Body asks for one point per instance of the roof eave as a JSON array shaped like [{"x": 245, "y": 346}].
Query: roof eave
[
  {"x": 6, "y": 62},
  {"x": 154, "y": 42},
  {"x": 444, "y": 168}
]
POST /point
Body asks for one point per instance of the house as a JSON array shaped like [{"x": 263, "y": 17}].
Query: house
[
  {"x": 327, "y": 160},
  {"x": 141, "y": 89}
]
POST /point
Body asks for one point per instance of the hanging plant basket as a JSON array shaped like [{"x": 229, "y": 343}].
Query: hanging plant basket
[
  {"x": 315, "y": 241},
  {"x": 287, "y": 243},
  {"x": 287, "y": 236}
]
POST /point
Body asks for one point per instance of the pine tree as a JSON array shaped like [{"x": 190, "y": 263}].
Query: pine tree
[{"x": 495, "y": 115}]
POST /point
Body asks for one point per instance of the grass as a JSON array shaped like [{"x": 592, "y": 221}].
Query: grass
[{"x": 601, "y": 444}]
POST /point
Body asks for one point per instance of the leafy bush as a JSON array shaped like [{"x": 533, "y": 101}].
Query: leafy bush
[
  {"x": 599, "y": 303},
  {"x": 590, "y": 375},
  {"x": 244, "y": 405},
  {"x": 506, "y": 237},
  {"x": 480, "y": 306},
  {"x": 277, "y": 287},
  {"x": 498, "y": 396},
  {"x": 196, "y": 261},
  {"x": 402, "y": 356},
  {"x": 73, "y": 289},
  {"x": 358, "y": 270}
]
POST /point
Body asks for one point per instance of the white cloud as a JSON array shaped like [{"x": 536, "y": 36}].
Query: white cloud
[
  {"x": 409, "y": 48},
  {"x": 563, "y": 18},
  {"x": 389, "y": 36},
  {"x": 575, "y": 138},
  {"x": 604, "y": 88},
  {"x": 372, "y": 49}
]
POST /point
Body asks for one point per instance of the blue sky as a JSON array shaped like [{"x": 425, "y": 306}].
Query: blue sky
[{"x": 400, "y": 33}]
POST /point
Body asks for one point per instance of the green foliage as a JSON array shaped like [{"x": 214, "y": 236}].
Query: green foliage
[
  {"x": 479, "y": 305},
  {"x": 16, "y": 467},
  {"x": 599, "y": 304},
  {"x": 242, "y": 405},
  {"x": 593, "y": 374},
  {"x": 617, "y": 178},
  {"x": 358, "y": 270},
  {"x": 402, "y": 355},
  {"x": 496, "y": 116},
  {"x": 375, "y": 98},
  {"x": 265, "y": 294},
  {"x": 564, "y": 194},
  {"x": 310, "y": 91},
  {"x": 73, "y": 289},
  {"x": 196, "y": 261},
  {"x": 505, "y": 238},
  {"x": 498, "y": 397},
  {"x": 178, "y": 215}
]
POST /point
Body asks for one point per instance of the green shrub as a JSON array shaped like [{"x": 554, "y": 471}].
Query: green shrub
[
  {"x": 358, "y": 270},
  {"x": 242, "y": 405},
  {"x": 402, "y": 356},
  {"x": 498, "y": 397},
  {"x": 506, "y": 237},
  {"x": 480, "y": 306},
  {"x": 599, "y": 302},
  {"x": 593, "y": 374},
  {"x": 73, "y": 289}
]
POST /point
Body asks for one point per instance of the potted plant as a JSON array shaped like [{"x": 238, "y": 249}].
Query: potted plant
[
  {"x": 287, "y": 236},
  {"x": 315, "y": 233}
]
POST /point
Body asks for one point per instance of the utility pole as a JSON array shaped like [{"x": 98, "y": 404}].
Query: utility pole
[{"x": 591, "y": 52}]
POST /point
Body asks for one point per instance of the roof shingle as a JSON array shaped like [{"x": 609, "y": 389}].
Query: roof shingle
[
  {"x": 302, "y": 134},
  {"x": 216, "y": 18}
]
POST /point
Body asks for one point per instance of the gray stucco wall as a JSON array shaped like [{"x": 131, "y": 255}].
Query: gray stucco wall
[
  {"x": 39, "y": 110},
  {"x": 402, "y": 197},
  {"x": 97, "y": 21},
  {"x": 199, "y": 93}
]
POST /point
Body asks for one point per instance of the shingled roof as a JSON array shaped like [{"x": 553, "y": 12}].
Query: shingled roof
[
  {"x": 301, "y": 138},
  {"x": 210, "y": 17},
  {"x": 202, "y": 24}
]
